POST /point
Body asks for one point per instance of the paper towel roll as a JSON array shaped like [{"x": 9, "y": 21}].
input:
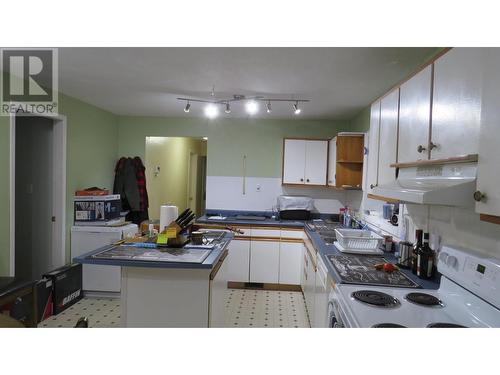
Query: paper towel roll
[{"x": 167, "y": 215}]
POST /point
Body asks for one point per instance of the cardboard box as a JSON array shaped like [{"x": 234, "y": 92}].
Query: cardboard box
[
  {"x": 67, "y": 286},
  {"x": 97, "y": 208}
]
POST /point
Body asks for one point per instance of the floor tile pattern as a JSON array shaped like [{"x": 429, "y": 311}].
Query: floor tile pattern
[
  {"x": 101, "y": 313},
  {"x": 265, "y": 308},
  {"x": 245, "y": 308}
]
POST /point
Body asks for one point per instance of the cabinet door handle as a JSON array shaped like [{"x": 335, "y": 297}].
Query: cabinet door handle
[
  {"x": 432, "y": 145},
  {"x": 479, "y": 196},
  {"x": 301, "y": 180},
  {"x": 372, "y": 186},
  {"x": 307, "y": 180},
  {"x": 421, "y": 149}
]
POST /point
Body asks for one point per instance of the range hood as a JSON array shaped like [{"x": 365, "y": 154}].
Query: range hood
[{"x": 446, "y": 185}]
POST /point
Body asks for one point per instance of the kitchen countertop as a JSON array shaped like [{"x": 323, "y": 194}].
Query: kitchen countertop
[
  {"x": 208, "y": 263},
  {"x": 322, "y": 248}
]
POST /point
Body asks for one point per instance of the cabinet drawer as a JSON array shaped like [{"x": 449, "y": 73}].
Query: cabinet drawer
[
  {"x": 273, "y": 233},
  {"x": 292, "y": 234}
]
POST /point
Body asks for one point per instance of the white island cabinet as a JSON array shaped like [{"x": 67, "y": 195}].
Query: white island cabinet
[{"x": 305, "y": 161}]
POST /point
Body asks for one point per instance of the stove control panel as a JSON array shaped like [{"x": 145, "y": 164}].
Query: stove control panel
[{"x": 474, "y": 271}]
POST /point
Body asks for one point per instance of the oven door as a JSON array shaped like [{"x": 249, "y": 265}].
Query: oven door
[{"x": 336, "y": 318}]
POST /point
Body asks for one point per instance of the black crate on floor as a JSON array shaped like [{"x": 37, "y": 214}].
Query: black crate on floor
[{"x": 67, "y": 286}]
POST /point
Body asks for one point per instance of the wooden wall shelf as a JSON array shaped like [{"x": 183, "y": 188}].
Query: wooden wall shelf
[
  {"x": 490, "y": 218},
  {"x": 383, "y": 199},
  {"x": 472, "y": 158}
]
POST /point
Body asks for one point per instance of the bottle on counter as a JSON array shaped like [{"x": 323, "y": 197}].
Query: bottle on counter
[
  {"x": 425, "y": 260},
  {"x": 416, "y": 247}
]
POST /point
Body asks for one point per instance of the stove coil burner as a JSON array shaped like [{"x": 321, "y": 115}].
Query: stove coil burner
[
  {"x": 423, "y": 299},
  {"x": 374, "y": 298},
  {"x": 445, "y": 325},
  {"x": 388, "y": 325}
]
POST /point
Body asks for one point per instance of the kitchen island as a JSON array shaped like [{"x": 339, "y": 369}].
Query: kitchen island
[{"x": 168, "y": 293}]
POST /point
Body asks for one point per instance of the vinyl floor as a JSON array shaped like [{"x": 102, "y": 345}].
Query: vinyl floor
[{"x": 245, "y": 308}]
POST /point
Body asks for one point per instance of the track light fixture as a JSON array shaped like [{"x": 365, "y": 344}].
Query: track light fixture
[
  {"x": 296, "y": 109},
  {"x": 251, "y": 104}
]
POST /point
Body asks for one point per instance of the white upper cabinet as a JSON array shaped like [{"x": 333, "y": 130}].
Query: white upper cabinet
[
  {"x": 488, "y": 180},
  {"x": 389, "y": 107},
  {"x": 456, "y": 108},
  {"x": 373, "y": 139},
  {"x": 316, "y": 162},
  {"x": 305, "y": 161},
  {"x": 332, "y": 162},
  {"x": 414, "y": 117},
  {"x": 294, "y": 161}
]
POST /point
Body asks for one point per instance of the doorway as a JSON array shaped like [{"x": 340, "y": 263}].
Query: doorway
[
  {"x": 38, "y": 195},
  {"x": 176, "y": 173}
]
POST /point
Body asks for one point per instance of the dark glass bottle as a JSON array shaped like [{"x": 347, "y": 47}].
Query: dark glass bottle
[
  {"x": 425, "y": 260},
  {"x": 416, "y": 247}
]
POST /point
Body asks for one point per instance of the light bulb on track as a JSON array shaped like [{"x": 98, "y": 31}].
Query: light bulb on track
[
  {"x": 228, "y": 108},
  {"x": 252, "y": 107},
  {"x": 211, "y": 111},
  {"x": 188, "y": 106},
  {"x": 296, "y": 109},
  {"x": 269, "y": 109}
]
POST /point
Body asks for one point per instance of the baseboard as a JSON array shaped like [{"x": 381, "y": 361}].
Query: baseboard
[{"x": 264, "y": 286}]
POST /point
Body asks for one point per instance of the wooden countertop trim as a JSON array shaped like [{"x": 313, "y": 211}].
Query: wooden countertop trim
[
  {"x": 292, "y": 240},
  {"x": 471, "y": 158},
  {"x": 381, "y": 198},
  {"x": 490, "y": 218}
]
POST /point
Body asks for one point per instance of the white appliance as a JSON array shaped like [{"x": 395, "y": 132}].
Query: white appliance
[
  {"x": 85, "y": 239},
  {"x": 468, "y": 296},
  {"x": 448, "y": 185}
]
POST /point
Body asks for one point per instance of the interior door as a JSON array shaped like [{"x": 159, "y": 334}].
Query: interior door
[
  {"x": 316, "y": 162},
  {"x": 456, "y": 103},
  {"x": 373, "y": 147},
  {"x": 389, "y": 107},
  {"x": 414, "y": 117},
  {"x": 193, "y": 183},
  {"x": 294, "y": 161}
]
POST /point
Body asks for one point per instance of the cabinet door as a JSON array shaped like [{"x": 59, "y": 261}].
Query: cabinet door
[
  {"x": 264, "y": 262},
  {"x": 294, "y": 161},
  {"x": 456, "y": 103},
  {"x": 316, "y": 162},
  {"x": 332, "y": 153},
  {"x": 414, "y": 117},
  {"x": 373, "y": 146},
  {"x": 310, "y": 290},
  {"x": 238, "y": 261},
  {"x": 389, "y": 107},
  {"x": 218, "y": 297},
  {"x": 290, "y": 262},
  {"x": 488, "y": 178}
]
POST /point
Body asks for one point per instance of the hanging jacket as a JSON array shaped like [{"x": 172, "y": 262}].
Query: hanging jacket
[
  {"x": 141, "y": 183},
  {"x": 126, "y": 184}
]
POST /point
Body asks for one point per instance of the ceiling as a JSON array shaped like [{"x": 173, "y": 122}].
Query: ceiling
[{"x": 146, "y": 81}]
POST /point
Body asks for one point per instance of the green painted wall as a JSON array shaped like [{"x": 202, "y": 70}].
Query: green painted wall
[
  {"x": 228, "y": 139},
  {"x": 361, "y": 123},
  {"x": 91, "y": 153}
]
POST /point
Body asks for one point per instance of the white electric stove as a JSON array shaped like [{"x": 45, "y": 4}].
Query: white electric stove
[{"x": 468, "y": 296}]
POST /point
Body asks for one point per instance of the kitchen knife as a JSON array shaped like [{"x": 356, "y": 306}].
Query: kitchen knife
[
  {"x": 183, "y": 215},
  {"x": 184, "y": 223}
]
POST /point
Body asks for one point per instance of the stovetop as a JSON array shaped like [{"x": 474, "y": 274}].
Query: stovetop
[{"x": 360, "y": 269}]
